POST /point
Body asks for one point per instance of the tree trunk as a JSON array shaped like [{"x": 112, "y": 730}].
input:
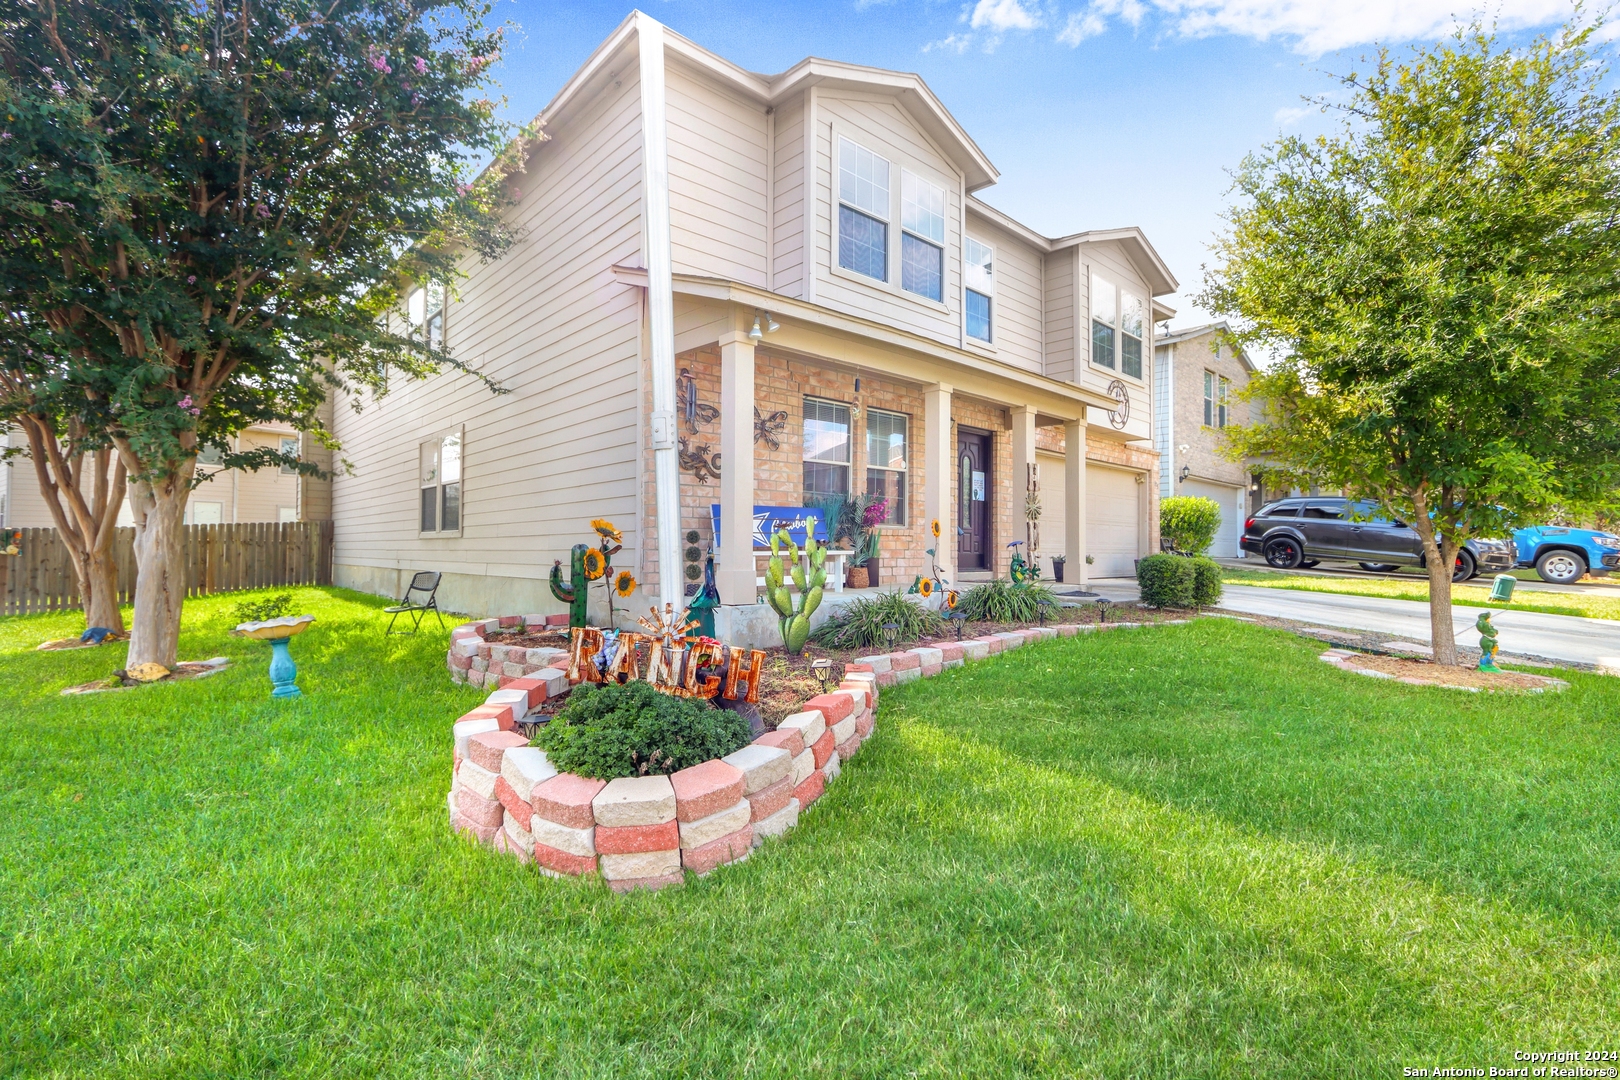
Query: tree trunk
[
  {"x": 1440, "y": 557},
  {"x": 160, "y": 575},
  {"x": 85, "y": 526}
]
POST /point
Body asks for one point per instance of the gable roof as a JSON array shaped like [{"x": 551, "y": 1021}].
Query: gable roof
[{"x": 1208, "y": 329}]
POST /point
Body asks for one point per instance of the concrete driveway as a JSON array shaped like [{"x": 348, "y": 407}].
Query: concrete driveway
[{"x": 1527, "y": 633}]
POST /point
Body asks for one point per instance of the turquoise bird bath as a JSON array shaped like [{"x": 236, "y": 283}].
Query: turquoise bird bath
[{"x": 283, "y": 672}]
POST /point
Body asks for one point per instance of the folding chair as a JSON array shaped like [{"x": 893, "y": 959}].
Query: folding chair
[{"x": 419, "y": 599}]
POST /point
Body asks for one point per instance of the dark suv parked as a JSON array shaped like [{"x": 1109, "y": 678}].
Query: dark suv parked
[{"x": 1301, "y": 531}]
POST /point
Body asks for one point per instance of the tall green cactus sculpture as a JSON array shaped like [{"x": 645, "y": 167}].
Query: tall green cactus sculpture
[
  {"x": 795, "y": 625},
  {"x": 576, "y": 594}
]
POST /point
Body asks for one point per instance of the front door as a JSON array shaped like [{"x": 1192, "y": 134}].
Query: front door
[{"x": 972, "y": 499}]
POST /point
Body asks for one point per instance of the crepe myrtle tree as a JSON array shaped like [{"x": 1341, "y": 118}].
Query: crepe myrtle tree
[
  {"x": 1440, "y": 281},
  {"x": 207, "y": 211}
]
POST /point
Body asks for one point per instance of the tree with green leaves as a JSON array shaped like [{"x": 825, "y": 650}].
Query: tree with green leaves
[
  {"x": 206, "y": 212},
  {"x": 1439, "y": 280}
]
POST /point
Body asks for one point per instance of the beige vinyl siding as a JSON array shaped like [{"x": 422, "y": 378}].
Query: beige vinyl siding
[
  {"x": 551, "y": 325},
  {"x": 1108, "y": 259},
  {"x": 1060, "y": 311},
  {"x": 884, "y": 128},
  {"x": 717, "y": 180},
  {"x": 260, "y": 494},
  {"x": 788, "y": 201},
  {"x": 25, "y": 503},
  {"x": 1015, "y": 325}
]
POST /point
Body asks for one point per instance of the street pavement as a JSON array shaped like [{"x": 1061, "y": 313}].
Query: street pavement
[{"x": 1569, "y": 638}]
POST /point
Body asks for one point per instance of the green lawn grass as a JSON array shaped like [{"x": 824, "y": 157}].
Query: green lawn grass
[
  {"x": 1475, "y": 593},
  {"x": 1190, "y": 851}
]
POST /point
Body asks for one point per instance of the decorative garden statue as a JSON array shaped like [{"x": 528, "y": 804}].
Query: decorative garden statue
[
  {"x": 1487, "y": 642},
  {"x": 576, "y": 594},
  {"x": 795, "y": 625},
  {"x": 707, "y": 599}
]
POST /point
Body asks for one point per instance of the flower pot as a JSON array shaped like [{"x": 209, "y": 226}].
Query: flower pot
[
  {"x": 1057, "y": 570},
  {"x": 872, "y": 571},
  {"x": 855, "y": 578}
]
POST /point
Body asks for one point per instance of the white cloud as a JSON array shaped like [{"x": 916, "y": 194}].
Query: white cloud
[
  {"x": 1314, "y": 26},
  {"x": 1002, "y": 15},
  {"x": 1289, "y": 115},
  {"x": 955, "y": 43}
]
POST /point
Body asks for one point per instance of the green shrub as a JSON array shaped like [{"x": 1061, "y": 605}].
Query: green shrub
[
  {"x": 611, "y": 730},
  {"x": 1189, "y": 523},
  {"x": 1206, "y": 582},
  {"x": 859, "y": 624},
  {"x": 271, "y": 607},
  {"x": 1167, "y": 581},
  {"x": 1001, "y": 601}
]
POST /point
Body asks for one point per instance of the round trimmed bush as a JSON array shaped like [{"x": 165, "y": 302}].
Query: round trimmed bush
[
  {"x": 1167, "y": 581},
  {"x": 609, "y": 730},
  {"x": 1189, "y": 523},
  {"x": 1206, "y": 582}
]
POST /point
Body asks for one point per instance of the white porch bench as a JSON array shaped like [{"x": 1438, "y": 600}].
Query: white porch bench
[{"x": 837, "y": 562}]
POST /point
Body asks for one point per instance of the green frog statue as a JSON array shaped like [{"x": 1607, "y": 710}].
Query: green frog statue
[{"x": 1487, "y": 642}]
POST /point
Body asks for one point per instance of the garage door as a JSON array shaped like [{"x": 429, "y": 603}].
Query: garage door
[
  {"x": 1112, "y": 522},
  {"x": 1230, "y": 500},
  {"x": 1051, "y": 511}
]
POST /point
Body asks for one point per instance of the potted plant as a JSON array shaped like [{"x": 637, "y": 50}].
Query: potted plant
[
  {"x": 1057, "y": 568},
  {"x": 869, "y": 513}
]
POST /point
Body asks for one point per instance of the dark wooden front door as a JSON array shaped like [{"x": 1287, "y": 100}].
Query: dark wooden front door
[{"x": 972, "y": 499}]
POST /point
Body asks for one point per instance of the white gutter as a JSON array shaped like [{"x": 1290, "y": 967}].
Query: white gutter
[{"x": 660, "y": 309}]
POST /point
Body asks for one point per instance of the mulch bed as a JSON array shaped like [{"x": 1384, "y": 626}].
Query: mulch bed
[
  {"x": 1465, "y": 678},
  {"x": 74, "y": 643},
  {"x": 185, "y": 670}
]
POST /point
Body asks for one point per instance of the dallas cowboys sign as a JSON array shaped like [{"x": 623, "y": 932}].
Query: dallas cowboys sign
[{"x": 797, "y": 520}]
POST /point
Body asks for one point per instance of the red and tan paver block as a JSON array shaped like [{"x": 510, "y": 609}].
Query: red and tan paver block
[
  {"x": 560, "y": 619},
  {"x": 561, "y": 862},
  {"x": 849, "y": 748},
  {"x": 630, "y": 839},
  {"x": 789, "y": 739},
  {"x": 704, "y": 789},
  {"x": 519, "y": 835},
  {"x": 635, "y": 800},
  {"x": 809, "y": 791},
  {"x": 486, "y": 748},
  {"x": 642, "y": 864},
  {"x": 566, "y": 800},
  {"x": 809, "y": 723},
  {"x": 975, "y": 650},
  {"x": 950, "y": 650},
  {"x": 904, "y": 661},
  {"x": 842, "y": 730},
  {"x": 484, "y": 834},
  {"x": 834, "y": 766},
  {"x": 485, "y": 813},
  {"x": 803, "y": 766},
  {"x": 719, "y": 851},
  {"x": 720, "y": 823},
  {"x": 878, "y": 664},
  {"x": 647, "y": 884},
  {"x": 927, "y": 656},
  {"x": 525, "y": 767},
  {"x": 565, "y": 839},
  {"x": 477, "y": 779},
  {"x": 888, "y": 678},
  {"x": 768, "y": 800},
  {"x": 824, "y": 747},
  {"x": 864, "y": 725},
  {"x": 761, "y": 766},
  {"x": 517, "y": 808},
  {"x": 777, "y": 824},
  {"x": 930, "y": 670},
  {"x": 463, "y": 730},
  {"x": 993, "y": 643},
  {"x": 501, "y": 714}
]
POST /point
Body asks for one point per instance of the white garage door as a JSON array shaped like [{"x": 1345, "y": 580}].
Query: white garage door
[
  {"x": 1112, "y": 521},
  {"x": 1230, "y": 500},
  {"x": 1051, "y": 511}
]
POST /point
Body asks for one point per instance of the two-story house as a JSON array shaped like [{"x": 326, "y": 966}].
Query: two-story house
[
  {"x": 743, "y": 290},
  {"x": 1197, "y": 374}
]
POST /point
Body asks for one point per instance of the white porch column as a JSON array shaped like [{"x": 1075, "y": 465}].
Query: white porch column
[
  {"x": 1074, "y": 503},
  {"x": 735, "y": 574},
  {"x": 660, "y": 310},
  {"x": 1023, "y": 452},
  {"x": 939, "y": 458}
]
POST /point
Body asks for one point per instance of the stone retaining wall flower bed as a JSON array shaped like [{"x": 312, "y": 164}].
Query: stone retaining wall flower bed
[{"x": 648, "y": 831}]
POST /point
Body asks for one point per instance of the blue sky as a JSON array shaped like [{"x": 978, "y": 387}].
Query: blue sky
[{"x": 1099, "y": 113}]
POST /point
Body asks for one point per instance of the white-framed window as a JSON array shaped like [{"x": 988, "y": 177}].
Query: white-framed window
[
  {"x": 1104, "y": 313},
  {"x": 1132, "y": 319},
  {"x": 863, "y": 211},
  {"x": 206, "y": 513},
  {"x": 887, "y": 436},
  {"x": 289, "y": 448},
  {"x": 1216, "y": 390},
  {"x": 922, "y": 236},
  {"x": 424, "y": 308},
  {"x": 286, "y": 513},
  {"x": 826, "y": 447},
  {"x": 439, "y": 507},
  {"x": 979, "y": 288},
  {"x": 209, "y": 454}
]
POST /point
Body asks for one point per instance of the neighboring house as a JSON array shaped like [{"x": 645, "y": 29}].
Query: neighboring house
[
  {"x": 1197, "y": 374},
  {"x": 803, "y": 257},
  {"x": 223, "y": 497}
]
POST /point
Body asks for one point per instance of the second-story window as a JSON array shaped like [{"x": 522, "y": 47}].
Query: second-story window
[
  {"x": 1131, "y": 315},
  {"x": 922, "y": 236},
  {"x": 980, "y": 281},
  {"x": 425, "y": 310},
  {"x": 863, "y": 211},
  {"x": 1216, "y": 389},
  {"x": 1103, "y": 312},
  {"x": 826, "y": 447},
  {"x": 289, "y": 448}
]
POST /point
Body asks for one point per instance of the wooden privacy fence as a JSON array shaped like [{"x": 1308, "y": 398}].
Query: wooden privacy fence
[{"x": 219, "y": 558}]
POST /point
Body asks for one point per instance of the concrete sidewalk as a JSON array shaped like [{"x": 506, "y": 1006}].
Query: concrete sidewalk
[{"x": 1568, "y": 638}]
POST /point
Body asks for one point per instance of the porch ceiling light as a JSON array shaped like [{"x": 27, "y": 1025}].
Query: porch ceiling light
[
  {"x": 771, "y": 325},
  {"x": 754, "y": 334}
]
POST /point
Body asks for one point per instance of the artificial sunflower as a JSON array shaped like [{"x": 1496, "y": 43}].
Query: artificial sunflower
[
  {"x": 950, "y": 599},
  {"x": 625, "y": 583},
  {"x": 926, "y": 587},
  {"x": 595, "y": 564},
  {"x": 933, "y": 527},
  {"x": 607, "y": 530}
]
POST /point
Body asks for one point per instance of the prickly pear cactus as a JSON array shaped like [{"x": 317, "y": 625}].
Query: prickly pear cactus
[
  {"x": 795, "y": 623},
  {"x": 576, "y": 594}
]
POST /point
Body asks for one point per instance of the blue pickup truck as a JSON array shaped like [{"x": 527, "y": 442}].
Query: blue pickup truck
[{"x": 1564, "y": 556}]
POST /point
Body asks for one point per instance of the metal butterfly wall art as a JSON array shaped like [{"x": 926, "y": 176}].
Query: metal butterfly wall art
[{"x": 767, "y": 428}]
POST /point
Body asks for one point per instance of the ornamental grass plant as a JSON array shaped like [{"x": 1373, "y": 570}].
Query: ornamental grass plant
[
  {"x": 1004, "y": 601},
  {"x": 859, "y": 624}
]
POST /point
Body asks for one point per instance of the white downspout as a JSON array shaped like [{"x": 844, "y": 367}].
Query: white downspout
[{"x": 660, "y": 309}]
